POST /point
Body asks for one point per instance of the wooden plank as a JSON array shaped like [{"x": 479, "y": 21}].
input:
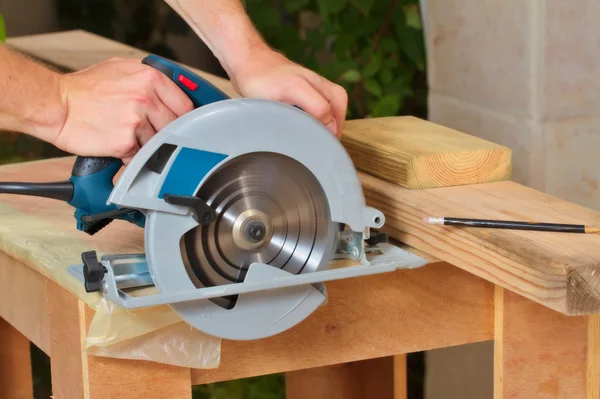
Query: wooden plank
[
  {"x": 15, "y": 364},
  {"x": 373, "y": 378},
  {"x": 76, "y": 375},
  {"x": 23, "y": 288},
  {"x": 593, "y": 357},
  {"x": 418, "y": 154},
  {"x": 557, "y": 270},
  {"x": 66, "y": 340},
  {"x": 400, "y": 377},
  {"x": 406, "y": 311},
  {"x": 543, "y": 353}
]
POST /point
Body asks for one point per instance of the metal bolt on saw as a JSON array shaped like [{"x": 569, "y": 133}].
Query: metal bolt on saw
[{"x": 244, "y": 204}]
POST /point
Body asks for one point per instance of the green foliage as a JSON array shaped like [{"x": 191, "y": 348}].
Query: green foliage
[
  {"x": 373, "y": 48},
  {"x": 2, "y": 30}
]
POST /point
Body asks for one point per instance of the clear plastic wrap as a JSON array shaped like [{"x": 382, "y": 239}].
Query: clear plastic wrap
[{"x": 43, "y": 237}]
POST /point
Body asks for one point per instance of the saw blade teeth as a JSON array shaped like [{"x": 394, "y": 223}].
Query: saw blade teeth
[{"x": 270, "y": 209}]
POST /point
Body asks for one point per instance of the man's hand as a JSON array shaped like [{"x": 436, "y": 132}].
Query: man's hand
[
  {"x": 115, "y": 107},
  {"x": 110, "y": 109},
  {"x": 254, "y": 68},
  {"x": 272, "y": 76}
]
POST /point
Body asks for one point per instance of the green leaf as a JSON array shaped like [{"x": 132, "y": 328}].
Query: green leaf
[
  {"x": 343, "y": 44},
  {"x": 387, "y": 106},
  {"x": 412, "y": 46},
  {"x": 388, "y": 45},
  {"x": 372, "y": 66},
  {"x": 293, "y": 6},
  {"x": 385, "y": 76},
  {"x": 413, "y": 18},
  {"x": 264, "y": 16},
  {"x": 363, "y": 5},
  {"x": 372, "y": 86},
  {"x": 2, "y": 30},
  {"x": 392, "y": 62},
  {"x": 351, "y": 75},
  {"x": 315, "y": 39},
  {"x": 327, "y": 7}
]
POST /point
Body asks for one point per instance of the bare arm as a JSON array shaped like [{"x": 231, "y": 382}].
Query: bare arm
[
  {"x": 110, "y": 109},
  {"x": 257, "y": 70},
  {"x": 30, "y": 97},
  {"x": 225, "y": 28}
]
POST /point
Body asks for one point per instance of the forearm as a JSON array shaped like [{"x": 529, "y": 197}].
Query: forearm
[
  {"x": 30, "y": 97},
  {"x": 225, "y": 28}
]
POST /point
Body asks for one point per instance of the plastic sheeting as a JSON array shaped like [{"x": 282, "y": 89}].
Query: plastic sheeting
[{"x": 45, "y": 239}]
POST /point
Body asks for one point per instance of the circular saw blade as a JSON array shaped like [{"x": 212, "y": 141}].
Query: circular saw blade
[{"x": 270, "y": 209}]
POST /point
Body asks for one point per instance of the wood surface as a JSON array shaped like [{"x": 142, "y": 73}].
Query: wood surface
[
  {"x": 23, "y": 288},
  {"x": 406, "y": 311},
  {"x": 366, "y": 379},
  {"x": 400, "y": 377},
  {"x": 417, "y": 154},
  {"x": 593, "y": 357},
  {"x": 408, "y": 151},
  {"x": 76, "y": 375},
  {"x": 558, "y": 270},
  {"x": 543, "y": 353},
  {"x": 15, "y": 364}
]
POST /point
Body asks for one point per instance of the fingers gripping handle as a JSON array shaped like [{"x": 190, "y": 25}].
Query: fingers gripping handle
[
  {"x": 93, "y": 176},
  {"x": 199, "y": 90}
]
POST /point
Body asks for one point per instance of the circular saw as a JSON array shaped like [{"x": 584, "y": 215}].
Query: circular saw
[{"x": 244, "y": 204}]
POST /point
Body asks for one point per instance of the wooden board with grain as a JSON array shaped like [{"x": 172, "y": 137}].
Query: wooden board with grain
[
  {"x": 539, "y": 353},
  {"x": 558, "y": 270},
  {"x": 418, "y": 154}
]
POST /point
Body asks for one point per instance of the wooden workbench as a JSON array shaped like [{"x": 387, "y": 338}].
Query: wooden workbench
[{"x": 534, "y": 294}]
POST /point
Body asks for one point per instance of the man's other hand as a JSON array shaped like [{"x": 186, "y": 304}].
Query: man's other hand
[{"x": 270, "y": 75}]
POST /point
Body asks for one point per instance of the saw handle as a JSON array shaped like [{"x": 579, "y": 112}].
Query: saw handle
[
  {"x": 92, "y": 177},
  {"x": 198, "y": 89}
]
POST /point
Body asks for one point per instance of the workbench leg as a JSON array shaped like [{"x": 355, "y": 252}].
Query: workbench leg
[
  {"x": 15, "y": 364},
  {"x": 540, "y": 353},
  {"x": 76, "y": 375},
  {"x": 374, "y": 378}
]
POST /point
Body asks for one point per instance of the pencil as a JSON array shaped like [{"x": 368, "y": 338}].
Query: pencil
[{"x": 513, "y": 225}]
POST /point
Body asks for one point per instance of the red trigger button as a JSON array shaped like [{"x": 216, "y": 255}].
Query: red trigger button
[{"x": 187, "y": 82}]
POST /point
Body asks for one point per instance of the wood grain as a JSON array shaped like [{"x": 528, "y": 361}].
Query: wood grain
[
  {"x": 558, "y": 270},
  {"x": 593, "y": 357},
  {"x": 417, "y": 154},
  {"x": 23, "y": 288},
  {"x": 15, "y": 364},
  {"x": 543, "y": 351},
  {"x": 76, "y": 375},
  {"x": 433, "y": 306}
]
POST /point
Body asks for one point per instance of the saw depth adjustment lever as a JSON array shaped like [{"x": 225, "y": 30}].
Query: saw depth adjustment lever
[{"x": 91, "y": 181}]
